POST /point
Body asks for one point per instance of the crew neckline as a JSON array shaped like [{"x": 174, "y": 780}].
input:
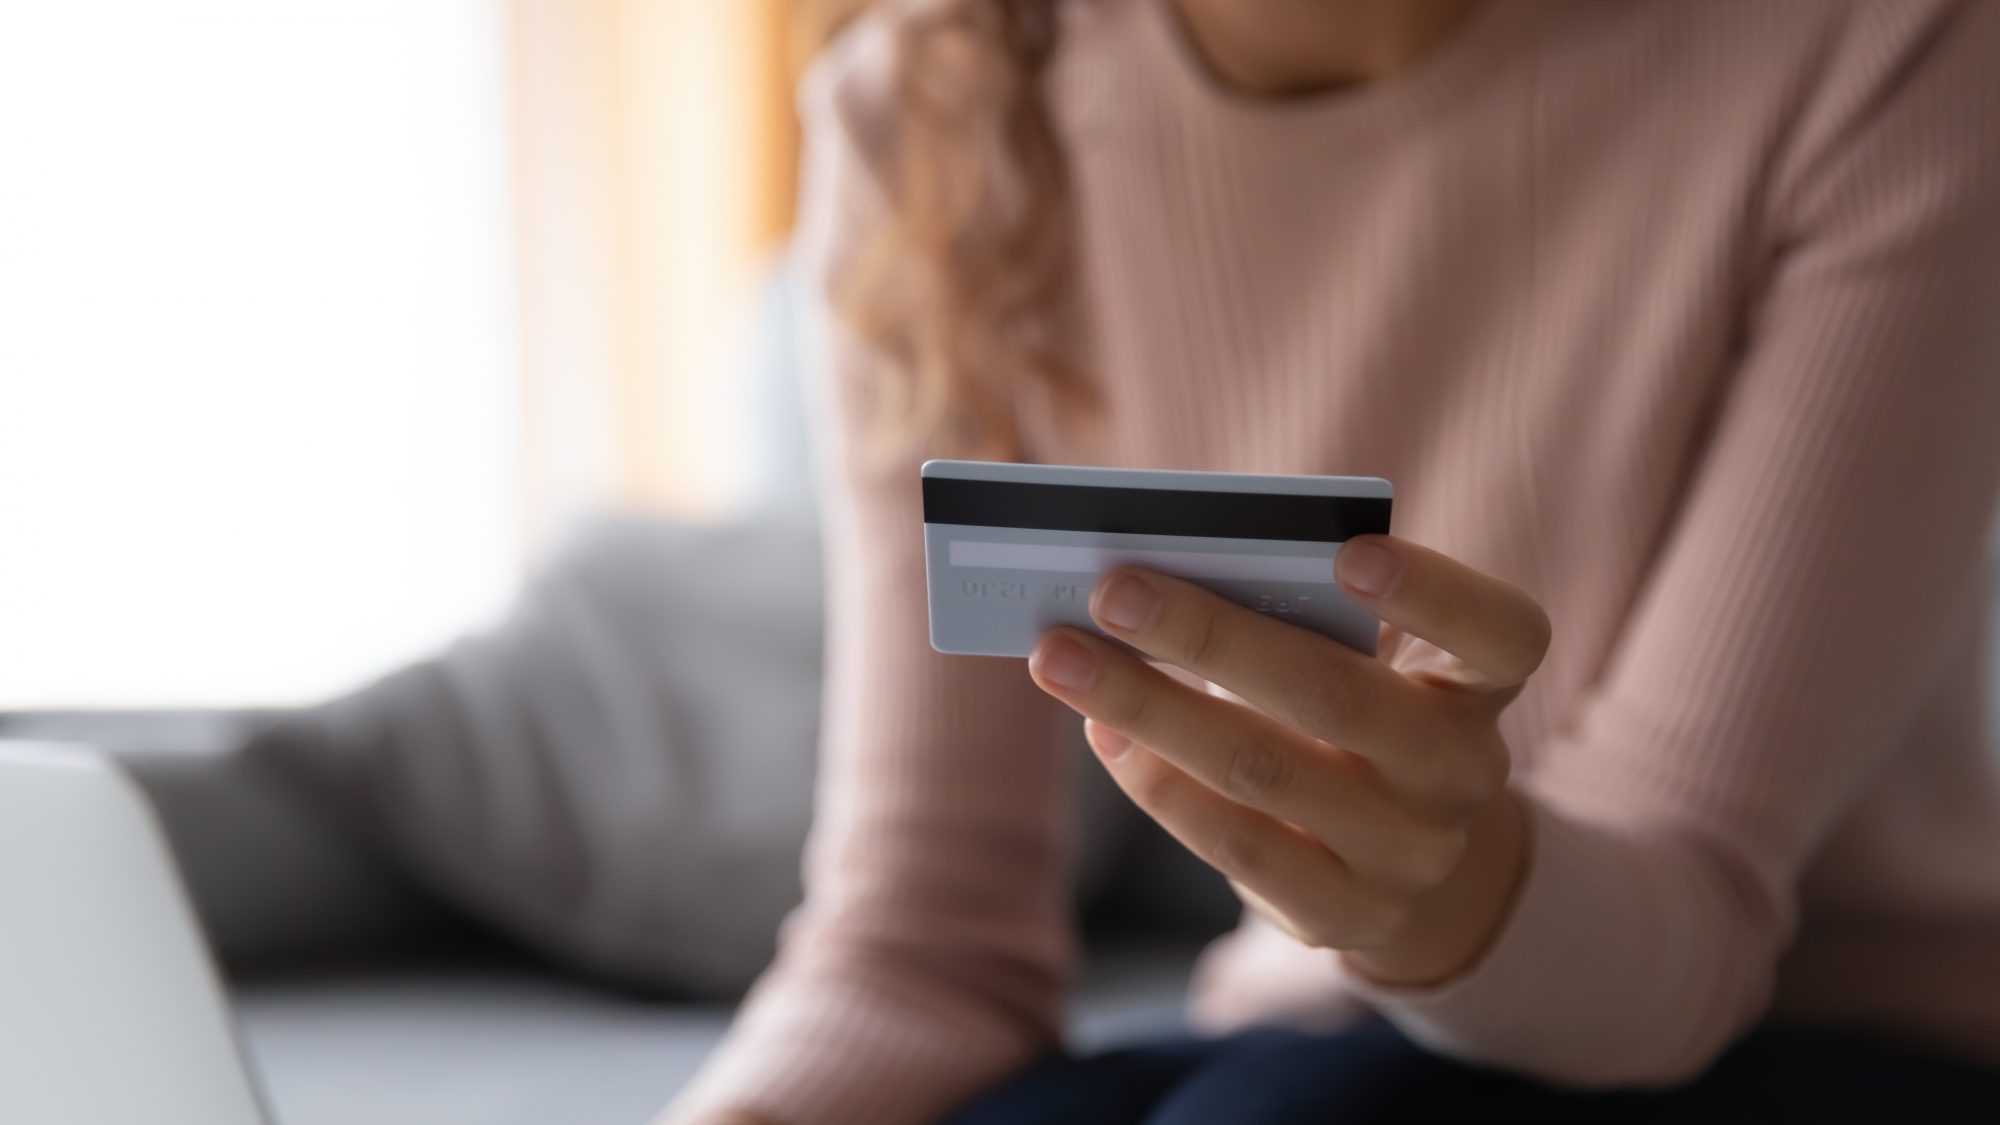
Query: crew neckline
[{"x": 1465, "y": 52}]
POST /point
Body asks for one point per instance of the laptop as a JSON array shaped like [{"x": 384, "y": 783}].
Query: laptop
[{"x": 111, "y": 1011}]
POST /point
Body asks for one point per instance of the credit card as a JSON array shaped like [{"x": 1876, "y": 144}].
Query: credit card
[{"x": 1011, "y": 551}]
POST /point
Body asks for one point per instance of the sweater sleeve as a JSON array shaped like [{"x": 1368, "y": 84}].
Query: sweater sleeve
[
  {"x": 1827, "y": 564},
  {"x": 933, "y": 949}
]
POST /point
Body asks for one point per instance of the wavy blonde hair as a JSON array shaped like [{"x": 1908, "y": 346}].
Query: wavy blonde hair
[{"x": 965, "y": 286}]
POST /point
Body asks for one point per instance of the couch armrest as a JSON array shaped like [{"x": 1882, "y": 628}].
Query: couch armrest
[{"x": 272, "y": 877}]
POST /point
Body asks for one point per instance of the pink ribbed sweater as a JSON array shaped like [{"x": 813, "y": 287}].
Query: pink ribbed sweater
[{"x": 1683, "y": 315}]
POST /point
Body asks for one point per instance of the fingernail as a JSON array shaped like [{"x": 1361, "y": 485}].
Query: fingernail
[
  {"x": 1064, "y": 663},
  {"x": 1109, "y": 744},
  {"x": 1128, "y": 603},
  {"x": 1369, "y": 568}
]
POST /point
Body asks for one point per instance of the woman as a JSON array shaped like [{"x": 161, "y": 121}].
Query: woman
[{"x": 1672, "y": 322}]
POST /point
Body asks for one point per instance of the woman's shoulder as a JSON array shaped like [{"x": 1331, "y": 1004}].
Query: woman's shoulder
[
  {"x": 1841, "y": 47},
  {"x": 1893, "y": 86}
]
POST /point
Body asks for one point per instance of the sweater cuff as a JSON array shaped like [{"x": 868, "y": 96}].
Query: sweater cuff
[
  {"x": 817, "y": 1049},
  {"x": 1499, "y": 1012}
]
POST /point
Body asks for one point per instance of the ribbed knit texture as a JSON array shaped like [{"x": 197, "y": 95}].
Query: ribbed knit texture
[{"x": 1683, "y": 315}]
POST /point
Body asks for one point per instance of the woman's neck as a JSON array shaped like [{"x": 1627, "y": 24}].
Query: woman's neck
[{"x": 1279, "y": 48}]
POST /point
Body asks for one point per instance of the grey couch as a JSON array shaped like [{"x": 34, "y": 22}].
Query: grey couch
[{"x": 365, "y": 998}]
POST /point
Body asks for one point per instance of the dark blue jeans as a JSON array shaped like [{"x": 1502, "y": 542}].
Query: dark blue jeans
[{"x": 1371, "y": 1075}]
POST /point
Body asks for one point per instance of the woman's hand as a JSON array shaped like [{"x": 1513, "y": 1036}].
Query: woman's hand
[{"x": 1359, "y": 803}]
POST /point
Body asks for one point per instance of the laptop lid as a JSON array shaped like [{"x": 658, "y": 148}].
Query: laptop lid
[{"x": 110, "y": 1009}]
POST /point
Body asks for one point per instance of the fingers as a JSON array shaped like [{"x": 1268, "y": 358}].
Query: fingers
[
  {"x": 1322, "y": 899},
  {"x": 1314, "y": 685},
  {"x": 1248, "y": 759},
  {"x": 1342, "y": 794},
  {"x": 1430, "y": 745},
  {"x": 1497, "y": 631}
]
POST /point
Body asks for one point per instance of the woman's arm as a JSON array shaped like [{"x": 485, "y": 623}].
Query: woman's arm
[
  {"x": 1827, "y": 564},
  {"x": 932, "y": 951}
]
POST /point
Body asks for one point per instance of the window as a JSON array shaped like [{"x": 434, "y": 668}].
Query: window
[{"x": 258, "y": 385}]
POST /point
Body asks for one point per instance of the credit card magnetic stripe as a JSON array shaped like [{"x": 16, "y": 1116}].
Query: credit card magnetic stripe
[{"x": 1152, "y": 511}]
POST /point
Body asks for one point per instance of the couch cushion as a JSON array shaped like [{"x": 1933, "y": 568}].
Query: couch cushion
[{"x": 503, "y": 1044}]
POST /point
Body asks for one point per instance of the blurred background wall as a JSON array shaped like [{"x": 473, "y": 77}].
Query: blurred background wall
[
  {"x": 654, "y": 166},
  {"x": 321, "y": 319}
]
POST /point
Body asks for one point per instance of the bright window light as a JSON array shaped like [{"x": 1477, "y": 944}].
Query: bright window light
[{"x": 258, "y": 417}]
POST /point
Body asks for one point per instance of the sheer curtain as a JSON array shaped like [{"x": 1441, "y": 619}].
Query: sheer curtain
[{"x": 655, "y": 158}]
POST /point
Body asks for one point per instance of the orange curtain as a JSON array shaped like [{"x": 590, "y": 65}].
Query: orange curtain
[{"x": 654, "y": 159}]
